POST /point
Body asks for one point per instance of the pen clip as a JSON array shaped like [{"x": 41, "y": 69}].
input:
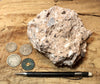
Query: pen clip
[{"x": 76, "y": 78}]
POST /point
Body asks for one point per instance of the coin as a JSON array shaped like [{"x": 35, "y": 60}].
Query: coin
[
  {"x": 11, "y": 47},
  {"x": 13, "y": 60},
  {"x": 26, "y": 49},
  {"x": 28, "y": 64}
]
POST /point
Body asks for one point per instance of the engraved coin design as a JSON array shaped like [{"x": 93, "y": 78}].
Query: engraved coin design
[
  {"x": 28, "y": 64},
  {"x": 26, "y": 49},
  {"x": 13, "y": 60},
  {"x": 11, "y": 47}
]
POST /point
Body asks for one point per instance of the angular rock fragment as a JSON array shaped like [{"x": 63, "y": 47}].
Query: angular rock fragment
[{"x": 59, "y": 34}]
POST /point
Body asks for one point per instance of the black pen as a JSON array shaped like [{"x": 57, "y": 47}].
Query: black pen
[{"x": 56, "y": 74}]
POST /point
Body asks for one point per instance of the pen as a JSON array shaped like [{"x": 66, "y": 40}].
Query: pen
[{"x": 56, "y": 74}]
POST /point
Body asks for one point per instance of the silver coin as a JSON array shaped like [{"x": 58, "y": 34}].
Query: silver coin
[
  {"x": 26, "y": 49},
  {"x": 11, "y": 47},
  {"x": 13, "y": 60}
]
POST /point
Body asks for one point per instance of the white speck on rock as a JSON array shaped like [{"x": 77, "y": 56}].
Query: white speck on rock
[
  {"x": 70, "y": 52},
  {"x": 43, "y": 38},
  {"x": 67, "y": 45},
  {"x": 37, "y": 30}
]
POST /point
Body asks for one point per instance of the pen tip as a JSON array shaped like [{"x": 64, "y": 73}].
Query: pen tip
[
  {"x": 90, "y": 74},
  {"x": 21, "y": 73}
]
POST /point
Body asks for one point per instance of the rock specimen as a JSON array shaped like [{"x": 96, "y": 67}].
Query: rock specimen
[{"x": 59, "y": 34}]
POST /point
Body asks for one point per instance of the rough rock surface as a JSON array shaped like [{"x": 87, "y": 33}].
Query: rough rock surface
[{"x": 59, "y": 34}]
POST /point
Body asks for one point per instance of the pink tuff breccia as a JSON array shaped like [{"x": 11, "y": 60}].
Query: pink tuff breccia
[{"x": 59, "y": 34}]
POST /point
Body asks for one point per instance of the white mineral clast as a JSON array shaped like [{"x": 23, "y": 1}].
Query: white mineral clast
[{"x": 59, "y": 34}]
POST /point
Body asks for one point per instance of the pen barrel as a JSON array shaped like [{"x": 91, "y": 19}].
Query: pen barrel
[
  {"x": 84, "y": 74},
  {"x": 56, "y": 74}
]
